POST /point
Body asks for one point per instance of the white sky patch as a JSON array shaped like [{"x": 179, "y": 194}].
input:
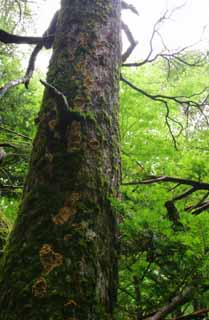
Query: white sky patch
[{"x": 185, "y": 27}]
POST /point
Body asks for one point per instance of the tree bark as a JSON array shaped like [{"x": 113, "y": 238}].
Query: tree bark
[{"x": 61, "y": 260}]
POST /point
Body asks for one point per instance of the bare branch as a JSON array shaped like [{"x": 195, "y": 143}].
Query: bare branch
[
  {"x": 179, "y": 100},
  {"x": 15, "y": 133},
  {"x": 185, "y": 194},
  {"x": 9, "y": 187},
  {"x": 156, "y": 179},
  {"x": 131, "y": 40},
  {"x": 176, "y": 301},
  {"x": 61, "y": 98},
  {"x": 196, "y": 314},
  {"x": 31, "y": 64},
  {"x": 47, "y": 41},
  {"x": 8, "y": 145},
  {"x": 7, "y": 38},
  {"x": 154, "y": 32},
  {"x": 127, "y": 6},
  {"x": 202, "y": 208},
  {"x": 196, "y": 209},
  {"x": 11, "y": 84},
  {"x": 199, "y": 204}
]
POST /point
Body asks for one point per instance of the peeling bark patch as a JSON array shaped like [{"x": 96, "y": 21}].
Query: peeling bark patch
[
  {"x": 68, "y": 237},
  {"x": 89, "y": 83},
  {"x": 49, "y": 157},
  {"x": 72, "y": 199},
  {"x": 79, "y": 103},
  {"x": 52, "y": 124},
  {"x": 74, "y": 136},
  {"x": 93, "y": 144},
  {"x": 50, "y": 259},
  {"x": 71, "y": 303},
  {"x": 65, "y": 214},
  {"x": 39, "y": 289},
  {"x": 69, "y": 210}
]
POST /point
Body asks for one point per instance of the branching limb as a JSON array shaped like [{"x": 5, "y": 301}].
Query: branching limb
[
  {"x": 47, "y": 41},
  {"x": 31, "y": 64},
  {"x": 9, "y": 187},
  {"x": 169, "y": 57},
  {"x": 12, "y": 132},
  {"x": 8, "y": 145},
  {"x": 156, "y": 179},
  {"x": 11, "y": 84},
  {"x": 28, "y": 75},
  {"x": 60, "y": 97},
  {"x": 131, "y": 40},
  {"x": 149, "y": 57},
  {"x": 176, "y": 301},
  {"x": 199, "y": 204},
  {"x": 198, "y": 208},
  {"x": 189, "y": 101},
  {"x": 127, "y": 6},
  {"x": 194, "y": 315},
  {"x": 7, "y": 38}
]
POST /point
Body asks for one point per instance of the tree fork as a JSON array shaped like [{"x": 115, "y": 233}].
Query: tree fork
[{"x": 61, "y": 260}]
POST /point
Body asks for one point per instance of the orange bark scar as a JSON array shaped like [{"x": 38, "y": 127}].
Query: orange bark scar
[
  {"x": 39, "y": 289},
  {"x": 94, "y": 144},
  {"x": 49, "y": 259},
  {"x": 64, "y": 215},
  {"x": 74, "y": 136},
  {"x": 79, "y": 103},
  {"x": 52, "y": 124},
  {"x": 72, "y": 199},
  {"x": 71, "y": 303}
]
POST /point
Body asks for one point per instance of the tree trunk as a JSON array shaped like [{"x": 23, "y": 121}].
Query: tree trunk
[{"x": 61, "y": 260}]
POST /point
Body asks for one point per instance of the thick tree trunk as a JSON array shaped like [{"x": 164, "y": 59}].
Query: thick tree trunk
[{"x": 61, "y": 261}]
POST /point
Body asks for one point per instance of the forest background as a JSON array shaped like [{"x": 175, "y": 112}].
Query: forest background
[{"x": 164, "y": 253}]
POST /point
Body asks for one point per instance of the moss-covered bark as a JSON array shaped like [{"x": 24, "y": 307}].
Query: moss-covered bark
[
  {"x": 61, "y": 261},
  {"x": 4, "y": 232}
]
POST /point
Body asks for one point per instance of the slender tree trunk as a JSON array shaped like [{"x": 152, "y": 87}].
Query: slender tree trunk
[{"x": 61, "y": 260}]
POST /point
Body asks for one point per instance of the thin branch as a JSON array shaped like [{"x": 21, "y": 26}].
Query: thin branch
[
  {"x": 202, "y": 208},
  {"x": 31, "y": 64},
  {"x": 158, "y": 97},
  {"x": 127, "y": 6},
  {"x": 176, "y": 301},
  {"x": 10, "y": 187},
  {"x": 154, "y": 32},
  {"x": 170, "y": 57},
  {"x": 127, "y": 292},
  {"x": 179, "y": 100},
  {"x": 193, "y": 315},
  {"x": 47, "y": 41},
  {"x": 190, "y": 208},
  {"x": 131, "y": 40},
  {"x": 196, "y": 185},
  {"x": 61, "y": 98},
  {"x": 7, "y": 38},
  {"x": 156, "y": 179},
  {"x": 8, "y": 145},
  {"x": 185, "y": 194},
  {"x": 15, "y": 133}
]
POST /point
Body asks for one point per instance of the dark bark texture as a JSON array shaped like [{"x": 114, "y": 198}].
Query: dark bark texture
[{"x": 61, "y": 260}]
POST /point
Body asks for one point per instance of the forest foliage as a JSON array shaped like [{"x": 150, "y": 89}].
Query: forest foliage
[{"x": 158, "y": 258}]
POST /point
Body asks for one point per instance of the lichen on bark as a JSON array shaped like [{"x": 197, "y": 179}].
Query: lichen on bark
[{"x": 61, "y": 260}]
